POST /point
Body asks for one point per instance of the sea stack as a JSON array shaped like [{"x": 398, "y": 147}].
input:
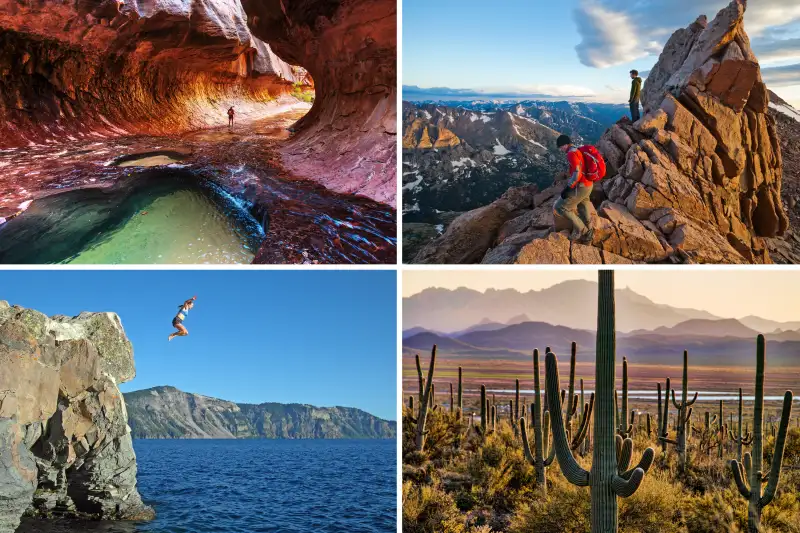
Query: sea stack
[{"x": 65, "y": 444}]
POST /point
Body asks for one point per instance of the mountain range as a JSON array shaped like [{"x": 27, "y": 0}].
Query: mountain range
[
  {"x": 725, "y": 345},
  {"x": 502, "y": 324},
  {"x": 168, "y": 413},
  {"x": 459, "y": 156}
]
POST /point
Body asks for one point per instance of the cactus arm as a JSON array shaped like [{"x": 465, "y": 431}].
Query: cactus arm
[
  {"x": 741, "y": 484},
  {"x": 644, "y": 465},
  {"x": 626, "y": 487},
  {"x": 674, "y": 402},
  {"x": 546, "y": 445},
  {"x": 691, "y": 402},
  {"x": 583, "y": 428},
  {"x": 574, "y": 473},
  {"x": 525, "y": 445},
  {"x": 748, "y": 464},
  {"x": 668, "y": 441},
  {"x": 777, "y": 456},
  {"x": 624, "y": 457}
]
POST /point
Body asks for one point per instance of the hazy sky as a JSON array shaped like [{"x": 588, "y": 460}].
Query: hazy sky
[
  {"x": 319, "y": 337},
  {"x": 773, "y": 295},
  {"x": 576, "y": 47}
]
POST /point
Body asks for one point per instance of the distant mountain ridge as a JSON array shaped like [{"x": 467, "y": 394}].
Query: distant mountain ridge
[
  {"x": 725, "y": 345},
  {"x": 446, "y": 310},
  {"x": 462, "y": 155},
  {"x": 169, "y": 413}
]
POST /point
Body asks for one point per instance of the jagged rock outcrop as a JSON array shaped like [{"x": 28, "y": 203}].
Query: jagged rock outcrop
[
  {"x": 696, "y": 180},
  {"x": 348, "y": 139},
  {"x": 168, "y": 413},
  {"x": 101, "y": 68},
  {"x": 65, "y": 445}
]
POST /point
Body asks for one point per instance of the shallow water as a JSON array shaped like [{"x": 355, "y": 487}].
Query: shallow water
[
  {"x": 164, "y": 217},
  {"x": 232, "y": 486},
  {"x": 301, "y": 221}
]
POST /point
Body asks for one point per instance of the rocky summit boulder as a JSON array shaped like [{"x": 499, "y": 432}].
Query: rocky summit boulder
[
  {"x": 65, "y": 444},
  {"x": 704, "y": 171},
  {"x": 696, "y": 180}
]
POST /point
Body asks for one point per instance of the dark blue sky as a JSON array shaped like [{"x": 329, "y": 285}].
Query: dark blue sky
[{"x": 318, "y": 337}]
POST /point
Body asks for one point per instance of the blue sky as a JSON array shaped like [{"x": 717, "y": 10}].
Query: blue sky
[
  {"x": 319, "y": 337},
  {"x": 576, "y": 47}
]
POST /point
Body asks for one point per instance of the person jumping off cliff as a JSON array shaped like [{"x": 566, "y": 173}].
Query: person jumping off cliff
[
  {"x": 636, "y": 93},
  {"x": 231, "y": 112},
  {"x": 586, "y": 166},
  {"x": 177, "y": 322}
]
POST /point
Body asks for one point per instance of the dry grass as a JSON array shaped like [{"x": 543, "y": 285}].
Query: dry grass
[{"x": 464, "y": 482}]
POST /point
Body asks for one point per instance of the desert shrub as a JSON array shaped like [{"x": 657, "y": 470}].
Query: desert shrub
[
  {"x": 782, "y": 515},
  {"x": 653, "y": 508},
  {"x": 427, "y": 509},
  {"x": 717, "y": 511},
  {"x": 566, "y": 508}
]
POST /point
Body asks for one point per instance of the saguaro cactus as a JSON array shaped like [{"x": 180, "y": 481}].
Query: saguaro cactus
[
  {"x": 723, "y": 431},
  {"x": 460, "y": 395},
  {"x": 540, "y": 459},
  {"x": 751, "y": 470},
  {"x": 683, "y": 422},
  {"x": 624, "y": 428},
  {"x": 609, "y": 477},
  {"x": 662, "y": 431},
  {"x": 572, "y": 398},
  {"x": 743, "y": 438},
  {"x": 514, "y": 411},
  {"x": 425, "y": 401}
]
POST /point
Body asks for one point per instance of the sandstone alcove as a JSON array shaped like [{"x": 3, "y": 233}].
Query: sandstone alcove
[{"x": 311, "y": 155}]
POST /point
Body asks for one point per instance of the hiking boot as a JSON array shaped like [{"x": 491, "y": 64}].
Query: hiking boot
[
  {"x": 588, "y": 236},
  {"x": 576, "y": 235}
]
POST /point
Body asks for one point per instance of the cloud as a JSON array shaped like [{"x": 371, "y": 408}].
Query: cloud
[
  {"x": 781, "y": 76},
  {"x": 614, "y": 32},
  {"x": 608, "y": 37},
  {"x": 534, "y": 91},
  {"x": 777, "y": 50}
]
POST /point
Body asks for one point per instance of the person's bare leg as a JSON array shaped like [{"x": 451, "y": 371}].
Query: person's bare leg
[{"x": 182, "y": 332}]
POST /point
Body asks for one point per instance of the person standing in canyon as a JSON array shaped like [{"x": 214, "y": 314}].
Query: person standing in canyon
[
  {"x": 231, "y": 112},
  {"x": 636, "y": 94},
  {"x": 177, "y": 322}
]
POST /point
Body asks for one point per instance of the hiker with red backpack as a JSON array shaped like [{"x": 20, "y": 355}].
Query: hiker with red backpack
[{"x": 586, "y": 166}]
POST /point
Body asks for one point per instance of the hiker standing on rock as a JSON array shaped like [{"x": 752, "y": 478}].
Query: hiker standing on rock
[
  {"x": 586, "y": 166},
  {"x": 231, "y": 112},
  {"x": 636, "y": 93}
]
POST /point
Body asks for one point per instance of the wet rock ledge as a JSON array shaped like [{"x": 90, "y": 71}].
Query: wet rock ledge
[{"x": 65, "y": 444}]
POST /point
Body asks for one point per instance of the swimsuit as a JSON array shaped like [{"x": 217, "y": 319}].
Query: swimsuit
[{"x": 180, "y": 316}]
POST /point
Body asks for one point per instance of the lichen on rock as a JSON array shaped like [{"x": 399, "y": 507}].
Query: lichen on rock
[{"x": 65, "y": 444}]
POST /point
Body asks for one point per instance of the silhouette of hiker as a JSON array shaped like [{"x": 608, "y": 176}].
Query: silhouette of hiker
[
  {"x": 231, "y": 112},
  {"x": 636, "y": 93},
  {"x": 177, "y": 322},
  {"x": 586, "y": 166}
]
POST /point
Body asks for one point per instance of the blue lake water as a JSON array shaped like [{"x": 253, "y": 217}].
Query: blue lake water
[{"x": 280, "y": 486}]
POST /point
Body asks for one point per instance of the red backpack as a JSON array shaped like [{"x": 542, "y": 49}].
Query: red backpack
[{"x": 594, "y": 166}]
